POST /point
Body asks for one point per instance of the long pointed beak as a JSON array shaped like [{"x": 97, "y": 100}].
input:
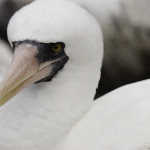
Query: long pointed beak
[{"x": 24, "y": 70}]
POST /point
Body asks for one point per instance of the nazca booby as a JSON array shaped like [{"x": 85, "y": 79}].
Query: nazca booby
[
  {"x": 61, "y": 39},
  {"x": 125, "y": 27}
]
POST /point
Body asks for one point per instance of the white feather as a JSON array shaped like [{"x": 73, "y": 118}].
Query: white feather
[{"x": 61, "y": 114}]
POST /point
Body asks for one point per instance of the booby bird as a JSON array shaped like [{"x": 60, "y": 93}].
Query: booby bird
[
  {"x": 125, "y": 26},
  {"x": 59, "y": 47},
  {"x": 49, "y": 42}
]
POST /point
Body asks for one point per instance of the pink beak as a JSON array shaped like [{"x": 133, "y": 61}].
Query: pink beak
[{"x": 24, "y": 70}]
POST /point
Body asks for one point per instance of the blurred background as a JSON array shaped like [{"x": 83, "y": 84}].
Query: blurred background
[{"x": 126, "y": 41}]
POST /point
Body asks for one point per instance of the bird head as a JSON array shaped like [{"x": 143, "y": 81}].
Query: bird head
[{"x": 47, "y": 35}]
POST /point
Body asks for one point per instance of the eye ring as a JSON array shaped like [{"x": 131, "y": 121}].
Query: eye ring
[{"x": 57, "y": 48}]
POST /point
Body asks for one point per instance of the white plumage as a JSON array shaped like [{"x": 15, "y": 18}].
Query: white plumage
[
  {"x": 119, "y": 120},
  {"x": 61, "y": 114}
]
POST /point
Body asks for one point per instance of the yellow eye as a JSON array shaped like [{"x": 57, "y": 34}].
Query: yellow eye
[{"x": 57, "y": 48}]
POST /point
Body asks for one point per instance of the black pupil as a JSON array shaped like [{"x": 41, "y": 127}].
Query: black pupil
[{"x": 56, "y": 47}]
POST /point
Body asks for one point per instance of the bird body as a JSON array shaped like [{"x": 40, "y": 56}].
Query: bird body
[
  {"x": 120, "y": 120},
  {"x": 58, "y": 112}
]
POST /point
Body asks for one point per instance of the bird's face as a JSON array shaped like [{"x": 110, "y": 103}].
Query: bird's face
[{"x": 44, "y": 36}]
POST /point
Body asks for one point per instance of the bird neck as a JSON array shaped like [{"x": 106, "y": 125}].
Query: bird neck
[{"x": 65, "y": 99}]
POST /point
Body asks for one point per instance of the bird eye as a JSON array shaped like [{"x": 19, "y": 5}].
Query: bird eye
[{"x": 57, "y": 48}]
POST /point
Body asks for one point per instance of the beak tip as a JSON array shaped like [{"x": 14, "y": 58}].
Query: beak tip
[
  {"x": 1, "y": 104},
  {"x": 2, "y": 101}
]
